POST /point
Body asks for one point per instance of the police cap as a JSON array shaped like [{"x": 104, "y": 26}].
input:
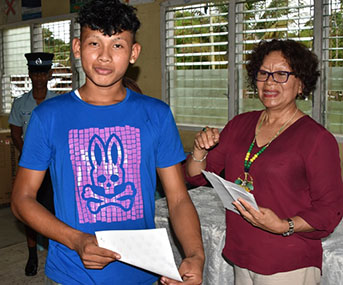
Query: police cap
[{"x": 39, "y": 61}]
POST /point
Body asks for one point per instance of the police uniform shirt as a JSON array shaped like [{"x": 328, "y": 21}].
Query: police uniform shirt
[{"x": 22, "y": 108}]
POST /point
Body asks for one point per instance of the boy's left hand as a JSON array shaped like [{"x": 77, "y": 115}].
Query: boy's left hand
[{"x": 190, "y": 270}]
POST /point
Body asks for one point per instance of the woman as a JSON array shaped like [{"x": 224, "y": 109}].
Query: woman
[{"x": 288, "y": 161}]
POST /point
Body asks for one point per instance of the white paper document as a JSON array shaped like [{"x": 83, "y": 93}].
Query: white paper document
[
  {"x": 229, "y": 192},
  {"x": 146, "y": 249}
]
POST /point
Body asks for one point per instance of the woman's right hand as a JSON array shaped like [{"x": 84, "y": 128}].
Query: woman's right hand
[{"x": 204, "y": 140}]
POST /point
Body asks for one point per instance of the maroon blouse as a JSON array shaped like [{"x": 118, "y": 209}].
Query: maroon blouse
[{"x": 299, "y": 174}]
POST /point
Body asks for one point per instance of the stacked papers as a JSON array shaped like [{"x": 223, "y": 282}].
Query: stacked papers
[{"x": 229, "y": 192}]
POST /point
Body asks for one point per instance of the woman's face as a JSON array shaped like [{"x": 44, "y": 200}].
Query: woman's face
[{"x": 276, "y": 95}]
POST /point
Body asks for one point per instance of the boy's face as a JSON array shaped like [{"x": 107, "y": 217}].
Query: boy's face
[{"x": 105, "y": 58}]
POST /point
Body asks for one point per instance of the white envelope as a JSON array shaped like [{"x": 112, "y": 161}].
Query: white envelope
[{"x": 146, "y": 249}]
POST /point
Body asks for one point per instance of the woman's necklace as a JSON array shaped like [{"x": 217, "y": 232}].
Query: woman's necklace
[{"x": 247, "y": 181}]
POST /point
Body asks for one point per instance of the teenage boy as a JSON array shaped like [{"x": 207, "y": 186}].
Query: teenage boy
[
  {"x": 39, "y": 67},
  {"x": 103, "y": 144}
]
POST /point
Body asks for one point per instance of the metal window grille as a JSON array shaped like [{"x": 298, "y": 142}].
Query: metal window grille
[{"x": 333, "y": 64}]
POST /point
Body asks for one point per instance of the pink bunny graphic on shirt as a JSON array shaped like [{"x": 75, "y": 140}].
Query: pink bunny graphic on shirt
[{"x": 108, "y": 187}]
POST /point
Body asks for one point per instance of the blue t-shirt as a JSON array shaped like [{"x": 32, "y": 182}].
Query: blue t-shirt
[{"x": 102, "y": 162}]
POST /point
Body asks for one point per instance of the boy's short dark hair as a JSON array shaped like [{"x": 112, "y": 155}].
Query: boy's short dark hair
[{"x": 109, "y": 17}]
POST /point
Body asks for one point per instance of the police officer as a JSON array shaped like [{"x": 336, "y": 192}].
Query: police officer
[{"x": 39, "y": 67}]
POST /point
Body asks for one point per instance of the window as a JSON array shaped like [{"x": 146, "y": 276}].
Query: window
[
  {"x": 51, "y": 37},
  {"x": 14, "y": 79},
  {"x": 205, "y": 62},
  {"x": 333, "y": 64},
  {"x": 56, "y": 39},
  {"x": 197, "y": 64}
]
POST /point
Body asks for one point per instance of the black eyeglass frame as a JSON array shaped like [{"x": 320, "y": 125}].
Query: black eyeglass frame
[{"x": 289, "y": 73}]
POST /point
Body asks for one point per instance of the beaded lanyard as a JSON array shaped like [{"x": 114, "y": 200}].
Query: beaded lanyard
[{"x": 247, "y": 181}]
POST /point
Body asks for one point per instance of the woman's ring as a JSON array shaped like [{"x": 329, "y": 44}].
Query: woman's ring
[{"x": 204, "y": 130}]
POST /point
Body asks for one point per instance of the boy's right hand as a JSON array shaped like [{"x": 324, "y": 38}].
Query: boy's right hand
[{"x": 93, "y": 256}]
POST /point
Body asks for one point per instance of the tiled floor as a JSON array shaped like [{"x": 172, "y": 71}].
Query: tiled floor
[
  {"x": 12, "y": 230},
  {"x": 13, "y": 252}
]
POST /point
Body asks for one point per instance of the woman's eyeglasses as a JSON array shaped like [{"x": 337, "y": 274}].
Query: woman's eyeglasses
[{"x": 278, "y": 76}]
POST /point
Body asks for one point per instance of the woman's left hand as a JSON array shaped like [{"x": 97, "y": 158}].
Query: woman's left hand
[{"x": 264, "y": 219}]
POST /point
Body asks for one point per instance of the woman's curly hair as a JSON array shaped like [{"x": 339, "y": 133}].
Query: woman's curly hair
[
  {"x": 301, "y": 60},
  {"x": 108, "y": 16}
]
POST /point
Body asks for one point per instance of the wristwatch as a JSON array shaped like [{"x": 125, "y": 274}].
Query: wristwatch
[{"x": 290, "y": 229}]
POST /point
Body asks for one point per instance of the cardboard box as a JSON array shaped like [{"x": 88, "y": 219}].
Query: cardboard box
[{"x": 8, "y": 166}]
